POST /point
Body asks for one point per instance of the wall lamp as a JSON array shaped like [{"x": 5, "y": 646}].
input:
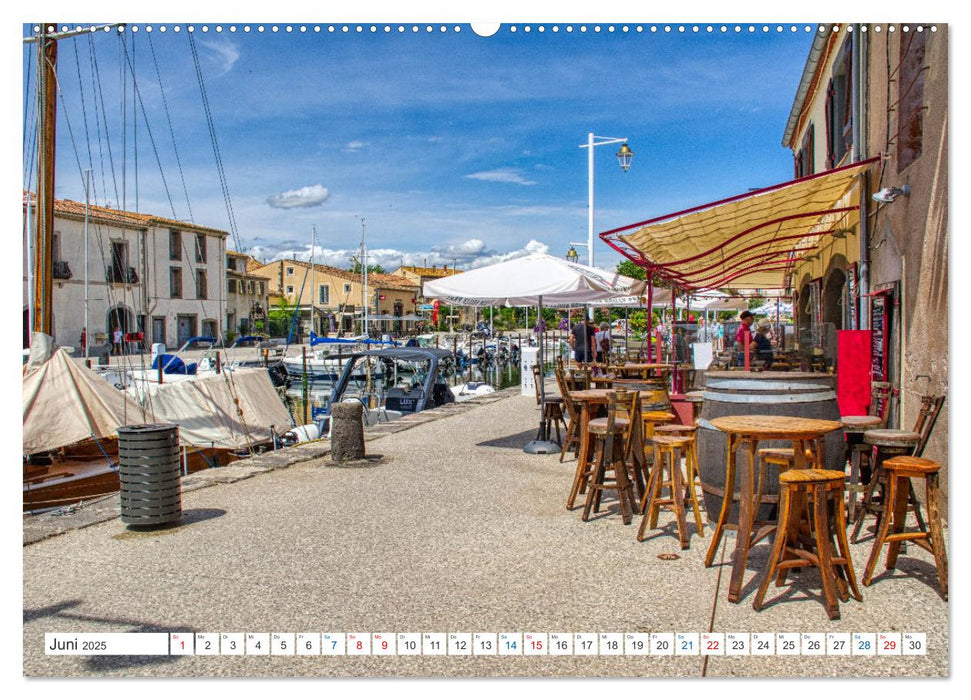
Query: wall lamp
[{"x": 888, "y": 194}]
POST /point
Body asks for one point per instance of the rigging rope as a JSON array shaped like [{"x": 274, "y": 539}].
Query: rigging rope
[
  {"x": 168, "y": 119},
  {"x": 215, "y": 145},
  {"x": 95, "y": 71}
]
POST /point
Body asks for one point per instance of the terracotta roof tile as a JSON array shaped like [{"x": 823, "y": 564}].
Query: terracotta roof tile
[{"x": 70, "y": 208}]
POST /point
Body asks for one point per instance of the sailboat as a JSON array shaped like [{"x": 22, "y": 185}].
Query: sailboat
[{"x": 70, "y": 414}]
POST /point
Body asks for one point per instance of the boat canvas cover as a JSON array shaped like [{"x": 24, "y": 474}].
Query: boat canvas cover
[
  {"x": 66, "y": 403},
  {"x": 206, "y": 412}
]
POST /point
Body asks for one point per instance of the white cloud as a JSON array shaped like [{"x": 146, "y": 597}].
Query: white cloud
[
  {"x": 466, "y": 255},
  {"x": 354, "y": 146},
  {"x": 224, "y": 53},
  {"x": 508, "y": 175},
  {"x": 310, "y": 196}
]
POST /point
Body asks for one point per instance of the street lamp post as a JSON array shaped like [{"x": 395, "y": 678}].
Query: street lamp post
[{"x": 624, "y": 157}]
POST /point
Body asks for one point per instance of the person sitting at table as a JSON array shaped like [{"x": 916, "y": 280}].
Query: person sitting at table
[{"x": 763, "y": 346}]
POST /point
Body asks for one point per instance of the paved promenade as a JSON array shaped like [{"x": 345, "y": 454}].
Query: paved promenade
[{"x": 449, "y": 528}]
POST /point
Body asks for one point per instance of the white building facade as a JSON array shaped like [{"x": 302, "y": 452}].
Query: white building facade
[{"x": 157, "y": 280}]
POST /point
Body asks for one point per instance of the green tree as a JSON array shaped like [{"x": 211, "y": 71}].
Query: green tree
[
  {"x": 280, "y": 318},
  {"x": 629, "y": 268},
  {"x": 356, "y": 268}
]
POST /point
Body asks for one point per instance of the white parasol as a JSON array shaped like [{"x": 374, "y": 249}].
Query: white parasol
[{"x": 528, "y": 281}]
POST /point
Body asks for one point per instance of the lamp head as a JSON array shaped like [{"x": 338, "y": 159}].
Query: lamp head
[
  {"x": 888, "y": 194},
  {"x": 624, "y": 157},
  {"x": 571, "y": 255}
]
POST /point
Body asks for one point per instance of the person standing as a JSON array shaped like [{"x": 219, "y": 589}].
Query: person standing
[
  {"x": 743, "y": 335},
  {"x": 602, "y": 342},
  {"x": 582, "y": 340},
  {"x": 116, "y": 340}
]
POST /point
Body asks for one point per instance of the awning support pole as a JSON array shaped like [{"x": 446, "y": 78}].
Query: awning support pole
[{"x": 650, "y": 311}]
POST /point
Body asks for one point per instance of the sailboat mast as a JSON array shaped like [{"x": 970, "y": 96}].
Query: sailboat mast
[
  {"x": 313, "y": 283},
  {"x": 42, "y": 316},
  {"x": 367, "y": 298}
]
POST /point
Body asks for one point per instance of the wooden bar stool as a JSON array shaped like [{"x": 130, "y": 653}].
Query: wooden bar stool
[
  {"x": 807, "y": 499},
  {"x": 552, "y": 410},
  {"x": 610, "y": 450},
  {"x": 687, "y": 432},
  {"x": 883, "y": 445},
  {"x": 895, "y": 443},
  {"x": 784, "y": 458},
  {"x": 573, "y": 411},
  {"x": 900, "y": 470},
  {"x": 667, "y": 458}
]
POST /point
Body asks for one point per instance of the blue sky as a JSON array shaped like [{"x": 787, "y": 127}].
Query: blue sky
[{"x": 453, "y": 147}]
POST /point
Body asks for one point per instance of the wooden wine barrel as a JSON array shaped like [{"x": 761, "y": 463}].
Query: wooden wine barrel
[{"x": 799, "y": 394}]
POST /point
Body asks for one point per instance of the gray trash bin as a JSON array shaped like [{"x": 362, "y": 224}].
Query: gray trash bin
[{"x": 150, "y": 474}]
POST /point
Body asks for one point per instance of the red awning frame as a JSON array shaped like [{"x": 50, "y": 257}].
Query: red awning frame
[{"x": 769, "y": 259}]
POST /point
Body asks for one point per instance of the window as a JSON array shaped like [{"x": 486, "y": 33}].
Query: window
[
  {"x": 175, "y": 245},
  {"x": 910, "y": 99},
  {"x": 249, "y": 287},
  {"x": 805, "y": 158},
  {"x": 200, "y": 247},
  {"x": 289, "y": 290},
  {"x": 289, "y": 270},
  {"x": 839, "y": 118},
  {"x": 232, "y": 286},
  {"x": 259, "y": 288},
  {"x": 323, "y": 294},
  {"x": 175, "y": 282},
  {"x": 201, "y": 286},
  {"x": 347, "y": 288},
  {"x": 119, "y": 262}
]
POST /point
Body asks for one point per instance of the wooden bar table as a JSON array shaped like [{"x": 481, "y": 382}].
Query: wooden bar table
[
  {"x": 589, "y": 401},
  {"x": 640, "y": 370},
  {"x": 745, "y": 432}
]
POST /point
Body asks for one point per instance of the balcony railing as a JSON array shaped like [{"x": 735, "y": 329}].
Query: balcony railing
[
  {"x": 62, "y": 271},
  {"x": 122, "y": 275}
]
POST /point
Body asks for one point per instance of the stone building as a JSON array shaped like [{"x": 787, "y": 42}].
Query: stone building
[
  {"x": 159, "y": 277},
  {"x": 868, "y": 92}
]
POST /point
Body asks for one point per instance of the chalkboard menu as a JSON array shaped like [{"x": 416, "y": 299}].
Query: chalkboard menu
[{"x": 880, "y": 335}]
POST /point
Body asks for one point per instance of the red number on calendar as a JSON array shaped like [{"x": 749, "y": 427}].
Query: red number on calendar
[
  {"x": 890, "y": 645},
  {"x": 360, "y": 645},
  {"x": 713, "y": 645},
  {"x": 384, "y": 645}
]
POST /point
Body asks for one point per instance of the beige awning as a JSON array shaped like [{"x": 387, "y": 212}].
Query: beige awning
[{"x": 748, "y": 241}]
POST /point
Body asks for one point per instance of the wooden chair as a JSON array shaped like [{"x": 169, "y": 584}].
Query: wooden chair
[
  {"x": 610, "y": 455},
  {"x": 856, "y": 451},
  {"x": 552, "y": 410},
  {"x": 900, "y": 470},
  {"x": 573, "y": 410},
  {"x": 822, "y": 490},
  {"x": 895, "y": 443}
]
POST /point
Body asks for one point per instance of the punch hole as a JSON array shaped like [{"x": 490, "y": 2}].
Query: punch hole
[{"x": 485, "y": 29}]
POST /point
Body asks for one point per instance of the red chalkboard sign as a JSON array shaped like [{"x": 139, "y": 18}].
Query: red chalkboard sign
[{"x": 880, "y": 338}]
